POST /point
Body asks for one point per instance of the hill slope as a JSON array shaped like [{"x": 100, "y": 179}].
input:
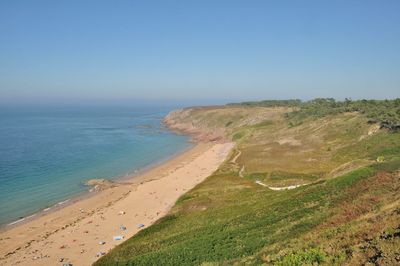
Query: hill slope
[{"x": 346, "y": 209}]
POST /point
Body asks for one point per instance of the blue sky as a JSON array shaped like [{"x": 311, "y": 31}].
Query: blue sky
[{"x": 198, "y": 51}]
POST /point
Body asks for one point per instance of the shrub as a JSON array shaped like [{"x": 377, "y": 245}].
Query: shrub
[{"x": 306, "y": 257}]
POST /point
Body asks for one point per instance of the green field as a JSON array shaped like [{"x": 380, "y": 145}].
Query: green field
[{"x": 347, "y": 211}]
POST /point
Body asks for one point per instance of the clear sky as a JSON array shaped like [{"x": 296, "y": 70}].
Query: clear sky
[{"x": 198, "y": 51}]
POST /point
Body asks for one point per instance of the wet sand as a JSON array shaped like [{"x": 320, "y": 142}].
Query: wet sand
[{"x": 86, "y": 227}]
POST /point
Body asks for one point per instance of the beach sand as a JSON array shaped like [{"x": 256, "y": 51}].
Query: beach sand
[{"x": 77, "y": 232}]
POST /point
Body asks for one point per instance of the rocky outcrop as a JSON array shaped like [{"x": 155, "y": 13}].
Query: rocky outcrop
[
  {"x": 99, "y": 184},
  {"x": 181, "y": 122}
]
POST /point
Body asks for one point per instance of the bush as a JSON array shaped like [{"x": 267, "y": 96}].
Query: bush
[
  {"x": 307, "y": 257},
  {"x": 238, "y": 135}
]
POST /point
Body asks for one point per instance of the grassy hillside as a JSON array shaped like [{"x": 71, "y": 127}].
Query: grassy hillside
[
  {"x": 346, "y": 212},
  {"x": 384, "y": 112}
]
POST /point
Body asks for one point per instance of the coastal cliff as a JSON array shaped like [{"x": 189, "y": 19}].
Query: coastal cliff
[
  {"x": 181, "y": 122},
  {"x": 219, "y": 123}
]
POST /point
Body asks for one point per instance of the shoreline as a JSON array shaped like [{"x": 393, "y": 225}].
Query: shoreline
[
  {"x": 79, "y": 196},
  {"x": 56, "y": 234}
]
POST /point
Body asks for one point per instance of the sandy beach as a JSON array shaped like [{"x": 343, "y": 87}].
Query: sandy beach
[{"x": 85, "y": 228}]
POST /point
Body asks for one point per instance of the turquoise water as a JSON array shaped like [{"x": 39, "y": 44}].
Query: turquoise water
[{"x": 46, "y": 155}]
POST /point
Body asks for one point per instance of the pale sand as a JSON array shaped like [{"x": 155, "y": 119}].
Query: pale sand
[{"x": 74, "y": 232}]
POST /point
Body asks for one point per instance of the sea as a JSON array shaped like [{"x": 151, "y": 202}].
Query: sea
[{"x": 47, "y": 154}]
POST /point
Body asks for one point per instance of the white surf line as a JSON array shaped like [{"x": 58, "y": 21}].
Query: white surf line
[
  {"x": 33, "y": 215},
  {"x": 44, "y": 210},
  {"x": 17, "y": 221},
  {"x": 278, "y": 188},
  {"x": 62, "y": 202},
  {"x": 22, "y": 219}
]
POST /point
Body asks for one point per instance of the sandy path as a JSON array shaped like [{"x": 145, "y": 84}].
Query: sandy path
[
  {"x": 279, "y": 188},
  {"x": 72, "y": 234}
]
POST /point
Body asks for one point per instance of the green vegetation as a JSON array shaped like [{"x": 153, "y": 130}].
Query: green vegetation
[
  {"x": 346, "y": 213},
  {"x": 270, "y": 103},
  {"x": 307, "y": 257},
  {"x": 384, "y": 112},
  {"x": 238, "y": 135}
]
